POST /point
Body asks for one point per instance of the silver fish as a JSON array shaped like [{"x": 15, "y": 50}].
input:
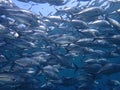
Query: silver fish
[
  {"x": 26, "y": 62},
  {"x": 113, "y": 39},
  {"x": 89, "y": 33},
  {"x": 109, "y": 69},
  {"x": 92, "y": 68},
  {"x": 10, "y": 78},
  {"x": 100, "y": 24},
  {"x": 64, "y": 39},
  {"x": 89, "y": 13},
  {"x": 51, "y": 72},
  {"x": 78, "y": 24},
  {"x": 114, "y": 23}
]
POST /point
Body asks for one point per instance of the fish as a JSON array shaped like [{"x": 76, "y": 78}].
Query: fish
[
  {"x": 101, "y": 61},
  {"x": 92, "y": 68},
  {"x": 83, "y": 0},
  {"x": 11, "y": 12},
  {"x": 114, "y": 23},
  {"x": 51, "y": 2},
  {"x": 113, "y": 82},
  {"x": 85, "y": 42},
  {"x": 113, "y": 39},
  {"x": 67, "y": 10},
  {"x": 26, "y": 62},
  {"x": 58, "y": 3},
  {"x": 66, "y": 81},
  {"x": 88, "y": 13},
  {"x": 100, "y": 24},
  {"x": 10, "y": 78},
  {"x": 51, "y": 72},
  {"x": 48, "y": 86},
  {"x": 41, "y": 1},
  {"x": 78, "y": 24},
  {"x": 110, "y": 68},
  {"x": 64, "y": 39}
]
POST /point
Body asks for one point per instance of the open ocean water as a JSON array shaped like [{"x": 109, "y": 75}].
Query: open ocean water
[{"x": 59, "y": 44}]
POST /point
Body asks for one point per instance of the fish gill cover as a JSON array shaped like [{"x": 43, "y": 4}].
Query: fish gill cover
[{"x": 72, "y": 48}]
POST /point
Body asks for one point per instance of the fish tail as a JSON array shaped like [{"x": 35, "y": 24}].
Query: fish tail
[
  {"x": 96, "y": 38},
  {"x": 76, "y": 67},
  {"x": 72, "y": 16}
]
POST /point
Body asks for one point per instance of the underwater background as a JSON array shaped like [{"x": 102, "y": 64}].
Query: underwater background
[{"x": 59, "y": 44}]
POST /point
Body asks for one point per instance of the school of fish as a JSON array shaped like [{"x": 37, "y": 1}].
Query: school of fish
[{"x": 74, "y": 48}]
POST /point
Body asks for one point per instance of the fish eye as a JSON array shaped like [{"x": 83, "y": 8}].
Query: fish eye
[
  {"x": 96, "y": 11},
  {"x": 14, "y": 79}
]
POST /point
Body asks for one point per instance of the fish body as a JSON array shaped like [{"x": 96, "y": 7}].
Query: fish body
[
  {"x": 89, "y": 13},
  {"x": 109, "y": 69},
  {"x": 8, "y": 78}
]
